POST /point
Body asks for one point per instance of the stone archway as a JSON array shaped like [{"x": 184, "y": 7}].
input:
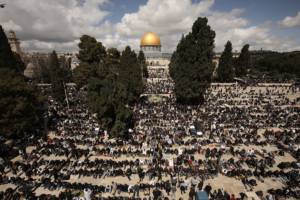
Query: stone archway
[
  {"x": 152, "y": 63},
  {"x": 157, "y": 63}
]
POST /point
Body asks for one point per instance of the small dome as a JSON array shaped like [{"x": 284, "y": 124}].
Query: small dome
[
  {"x": 10, "y": 31},
  {"x": 30, "y": 66},
  {"x": 150, "y": 39},
  {"x": 75, "y": 59}
]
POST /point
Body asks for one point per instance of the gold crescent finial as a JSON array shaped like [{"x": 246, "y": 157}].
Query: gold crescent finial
[{"x": 150, "y": 29}]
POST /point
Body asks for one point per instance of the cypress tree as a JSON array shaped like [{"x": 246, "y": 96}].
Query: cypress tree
[
  {"x": 243, "y": 62},
  {"x": 18, "y": 103},
  {"x": 142, "y": 61},
  {"x": 172, "y": 64},
  {"x": 194, "y": 66},
  {"x": 130, "y": 74},
  {"x": 7, "y": 58},
  {"x": 141, "y": 57},
  {"x": 90, "y": 51},
  {"x": 107, "y": 98},
  {"x": 225, "y": 69},
  {"x": 57, "y": 87}
]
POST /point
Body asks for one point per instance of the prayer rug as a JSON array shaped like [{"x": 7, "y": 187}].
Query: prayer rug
[
  {"x": 273, "y": 179},
  {"x": 166, "y": 156},
  {"x": 211, "y": 145},
  {"x": 144, "y": 166}
]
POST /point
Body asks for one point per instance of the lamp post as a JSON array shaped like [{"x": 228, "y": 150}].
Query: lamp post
[
  {"x": 64, "y": 85},
  {"x": 66, "y": 91}
]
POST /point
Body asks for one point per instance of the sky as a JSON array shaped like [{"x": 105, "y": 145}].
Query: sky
[{"x": 43, "y": 25}]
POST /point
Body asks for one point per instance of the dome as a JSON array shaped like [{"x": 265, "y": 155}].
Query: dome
[
  {"x": 150, "y": 39},
  {"x": 10, "y": 31},
  {"x": 75, "y": 59},
  {"x": 30, "y": 66}
]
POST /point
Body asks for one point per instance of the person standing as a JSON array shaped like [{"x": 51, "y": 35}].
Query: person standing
[
  {"x": 156, "y": 194},
  {"x": 192, "y": 193},
  {"x": 182, "y": 187},
  {"x": 174, "y": 181},
  {"x": 200, "y": 185},
  {"x": 114, "y": 188},
  {"x": 194, "y": 182},
  {"x": 173, "y": 189},
  {"x": 136, "y": 189},
  {"x": 207, "y": 189},
  {"x": 168, "y": 187}
]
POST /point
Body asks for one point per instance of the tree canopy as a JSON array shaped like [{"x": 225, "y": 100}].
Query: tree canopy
[
  {"x": 107, "y": 98},
  {"x": 90, "y": 51},
  {"x": 56, "y": 73},
  {"x": 173, "y": 64},
  {"x": 95, "y": 61},
  {"x": 112, "y": 60},
  {"x": 225, "y": 69},
  {"x": 129, "y": 74},
  {"x": 19, "y": 103},
  {"x": 142, "y": 61},
  {"x": 194, "y": 65},
  {"x": 278, "y": 66},
  {"x": 243, "y": 62}
]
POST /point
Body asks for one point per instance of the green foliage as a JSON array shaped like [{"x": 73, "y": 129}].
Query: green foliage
[
  {"x": 107, "y": 98},
  {"x": 142, "y": 61},
  {"x": 173, "y": 64},
  {"x": 130, "y": 74},
  {"x": 278, "y": 65},
  {"x": 90, "y": 51},
  {"x": 287, "y": 76},
  {"x": 19, "y": 104},
  {"x": 56, "y": 73},
  {"x": 20, "y": 67},
  {"x": 7, "y": 57},
  {"x": 95, "y": 61},
  {"x": 243, "y": 62},
  {"x": 194, "y": 65},
  {"x": 46, "y": 77},
  {"x": 112, "y": 59},
  {"x": 84, "y": 72},
  {"x": 254, "y": 72},
  {"x": 141, "y": 57},
  {"x": 145, "y": 70},
  {"x": 225, "y": 70}
]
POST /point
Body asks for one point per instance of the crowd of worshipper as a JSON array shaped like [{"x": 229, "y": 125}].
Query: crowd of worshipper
[
  {"x": 159, "y": 87},
  {"x": 158, "y": 73},
  {"x": 161, "y": 148}
]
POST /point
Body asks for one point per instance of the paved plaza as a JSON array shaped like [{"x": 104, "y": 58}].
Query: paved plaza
[{"x": 231, "y": 185}]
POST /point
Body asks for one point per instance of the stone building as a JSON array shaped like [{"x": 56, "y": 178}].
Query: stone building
[
  {"x": 14, "y": 43},
  {"x": 33, "y": 70}
]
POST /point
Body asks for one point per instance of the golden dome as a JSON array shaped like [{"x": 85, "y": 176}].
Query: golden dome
[{"x": 150, "y": 39}]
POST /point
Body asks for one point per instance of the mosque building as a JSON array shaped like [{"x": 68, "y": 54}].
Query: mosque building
[{"x": 151, "y": 46}]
